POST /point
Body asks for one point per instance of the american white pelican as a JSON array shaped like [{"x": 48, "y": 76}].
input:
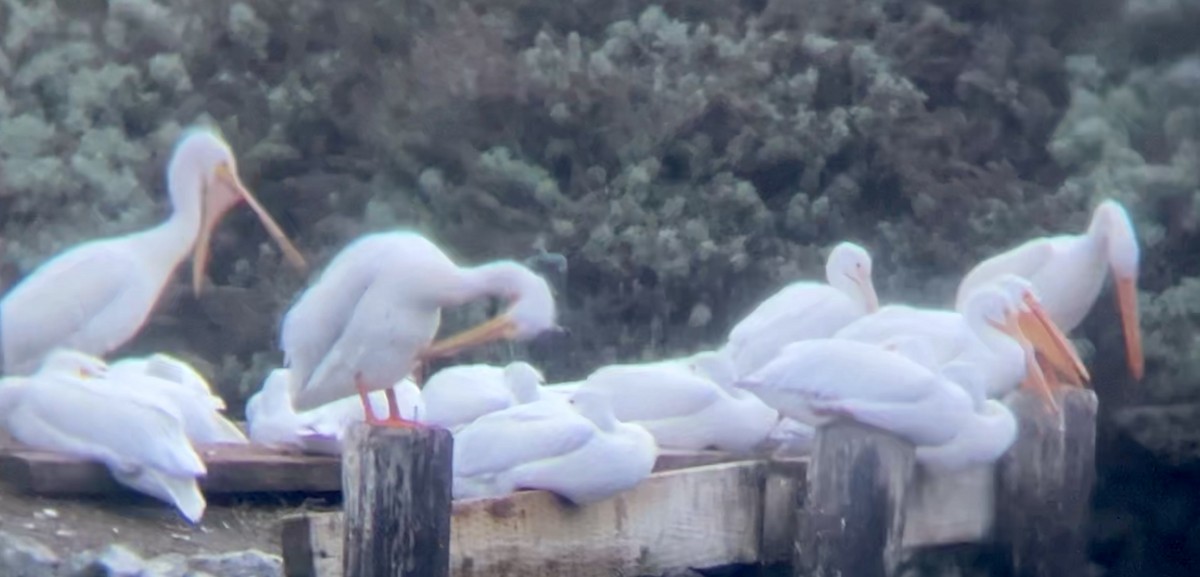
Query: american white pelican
[
  {"x": 97, "y": 295},
  {"x": 1068, "y": 273},
  {"x": 687, "y": 403},
  {"x": 455, "y": 396},
  {"x": 815, "y": 381},
  {"x": 986, "y": 335},
  {"x": 272, "y": 422},
  {"x": 63, "y": 407},
  {"x": 806, "y": 310},
  {"x": 367, "y": 322},
  {"x": 576, "y": 449},
  {"x": 179, "y": 384}
]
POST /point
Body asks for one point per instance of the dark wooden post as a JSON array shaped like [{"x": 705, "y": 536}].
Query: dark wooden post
[
  {"x": 1045, "y": 485},
  {"x": 854, "y": 518},
  {"x": 396, "y": 490}
]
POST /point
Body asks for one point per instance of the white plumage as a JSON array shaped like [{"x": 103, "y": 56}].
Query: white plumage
[
  {"x": 370, "y": 317},
  {"x": 805, "y": 310},
  {"x": 1068, "y": 272},
  {"x": 818, "y": 380},
  {"x": 63, "y": 407},
  {"x": 97, "y": 295},
  {"x": 457, "y": 395},
  {"x": 577, "y": 449},
  {"x": 687, "y": 403}
]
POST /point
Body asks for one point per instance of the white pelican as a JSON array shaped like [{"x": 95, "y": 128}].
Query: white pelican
[
  {"x": 815, "y": 381},
  {"x": 1068, "y": 272},
  {"x": 368, "y": 320},
  {"x": 97, "y": 295},
  {"x": 179, "y": 384},
  {"x": 271, "y": 421},
  {"x": 167, "y": 367},
  {"x": 577, "y": 449},
  {"x": 140, "y": 438},
  {"x": 986, "y": 335},
  {"x": 806, "y": 310},
  {"x": 455, "y": 396},
  {"x": 687, "y": 403}
]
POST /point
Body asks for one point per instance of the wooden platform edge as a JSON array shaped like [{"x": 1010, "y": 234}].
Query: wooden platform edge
[
  {"x": 232, "y": 469},
  {"x": 696, "y": 517}
]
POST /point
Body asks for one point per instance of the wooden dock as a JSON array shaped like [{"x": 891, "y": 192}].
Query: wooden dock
[
  {"x": 704, "y": 516},
  {"x": 859, "y": 506}
]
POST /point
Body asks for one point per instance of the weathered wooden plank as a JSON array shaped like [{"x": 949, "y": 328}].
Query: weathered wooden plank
[
  {"x": 1045, "y": 485},
  {"x": 853, "y": 520},
  {"x": 783, "y": 500},
  {"x": 397, "y": 500},
  {"x": 950, "y": 507},
  {"x": 231, "y": 469},
  {"x": 699, "y": 517}
]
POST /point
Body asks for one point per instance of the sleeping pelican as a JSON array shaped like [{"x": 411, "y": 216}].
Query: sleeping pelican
[
  {"x": 180, "y": 384},
  {"x": 1068, "y": 273},
  {"x": 806, "y": 310},
  {"x": 816, "y": 381},
  {"x": 577, "y": 449},
  {"x": 457, "y": 395},
  {"x": 367, "y": 322},
  {"x": 687, "y": 403},
  {"x": 97, "y": 295},
  {"x": 140, "y": 438}
]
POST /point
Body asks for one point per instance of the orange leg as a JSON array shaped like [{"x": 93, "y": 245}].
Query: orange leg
[{"x": 393, "y": 420}]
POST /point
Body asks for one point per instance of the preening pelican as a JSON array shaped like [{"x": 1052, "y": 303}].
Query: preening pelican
[
  {"x": 687, "y": 403},
  {"x": 368, "y": 321},
  {"x": 271, "y": 421},
  {"x": 815, "y": 381},
  {"x": 805, "y": 310},
  {"x": 97, "y": 295},
  {"x": 577, "y": 449},
  {"x": 1068, "y": 273},
  {"x": 140, "y": 438},
  {"x": 455, "y": 396}
]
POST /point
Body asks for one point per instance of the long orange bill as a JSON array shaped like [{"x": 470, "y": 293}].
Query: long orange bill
[
  {"x": 1035, "y": 379},
  {"x": 214, "y": 206},
  {"x": 498, "y": 328},
  {"x": 1050, "y": 341},
  {"x": 1127, "y": 303}
]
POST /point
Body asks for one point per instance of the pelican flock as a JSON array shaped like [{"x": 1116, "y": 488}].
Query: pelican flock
[{"x": 357, "y": 340}]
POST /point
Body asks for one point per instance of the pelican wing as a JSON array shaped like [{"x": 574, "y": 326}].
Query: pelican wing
[
  {"x": 1026, "y": 260},
  {"x": 93, "y": 420},
  {"x": 784, "y": 306},
  {"x": 92, "y": 299},
  {"x": 641, "y": 393},
  {"x": 840, "y": 369},
  {"x": 522, "y": 434}
]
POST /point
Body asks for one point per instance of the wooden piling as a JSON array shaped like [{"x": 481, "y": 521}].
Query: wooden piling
[
  {"x": 396, "y": 486},
  {"x": 854, "y": 518},
  {"x": 1044, "y": 487}
]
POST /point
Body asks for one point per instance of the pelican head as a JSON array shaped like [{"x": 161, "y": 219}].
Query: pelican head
[
  {"x": 848, "y": 269},
  {"x": 595, "y": 406},
  {"x": 531, "y": 313},
  {"x": 1041, "y": 331},
  {"x": 1111, "y": 223},
  {"x": 523, "y": 380},
  {"x": 202, "y": 158}
]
